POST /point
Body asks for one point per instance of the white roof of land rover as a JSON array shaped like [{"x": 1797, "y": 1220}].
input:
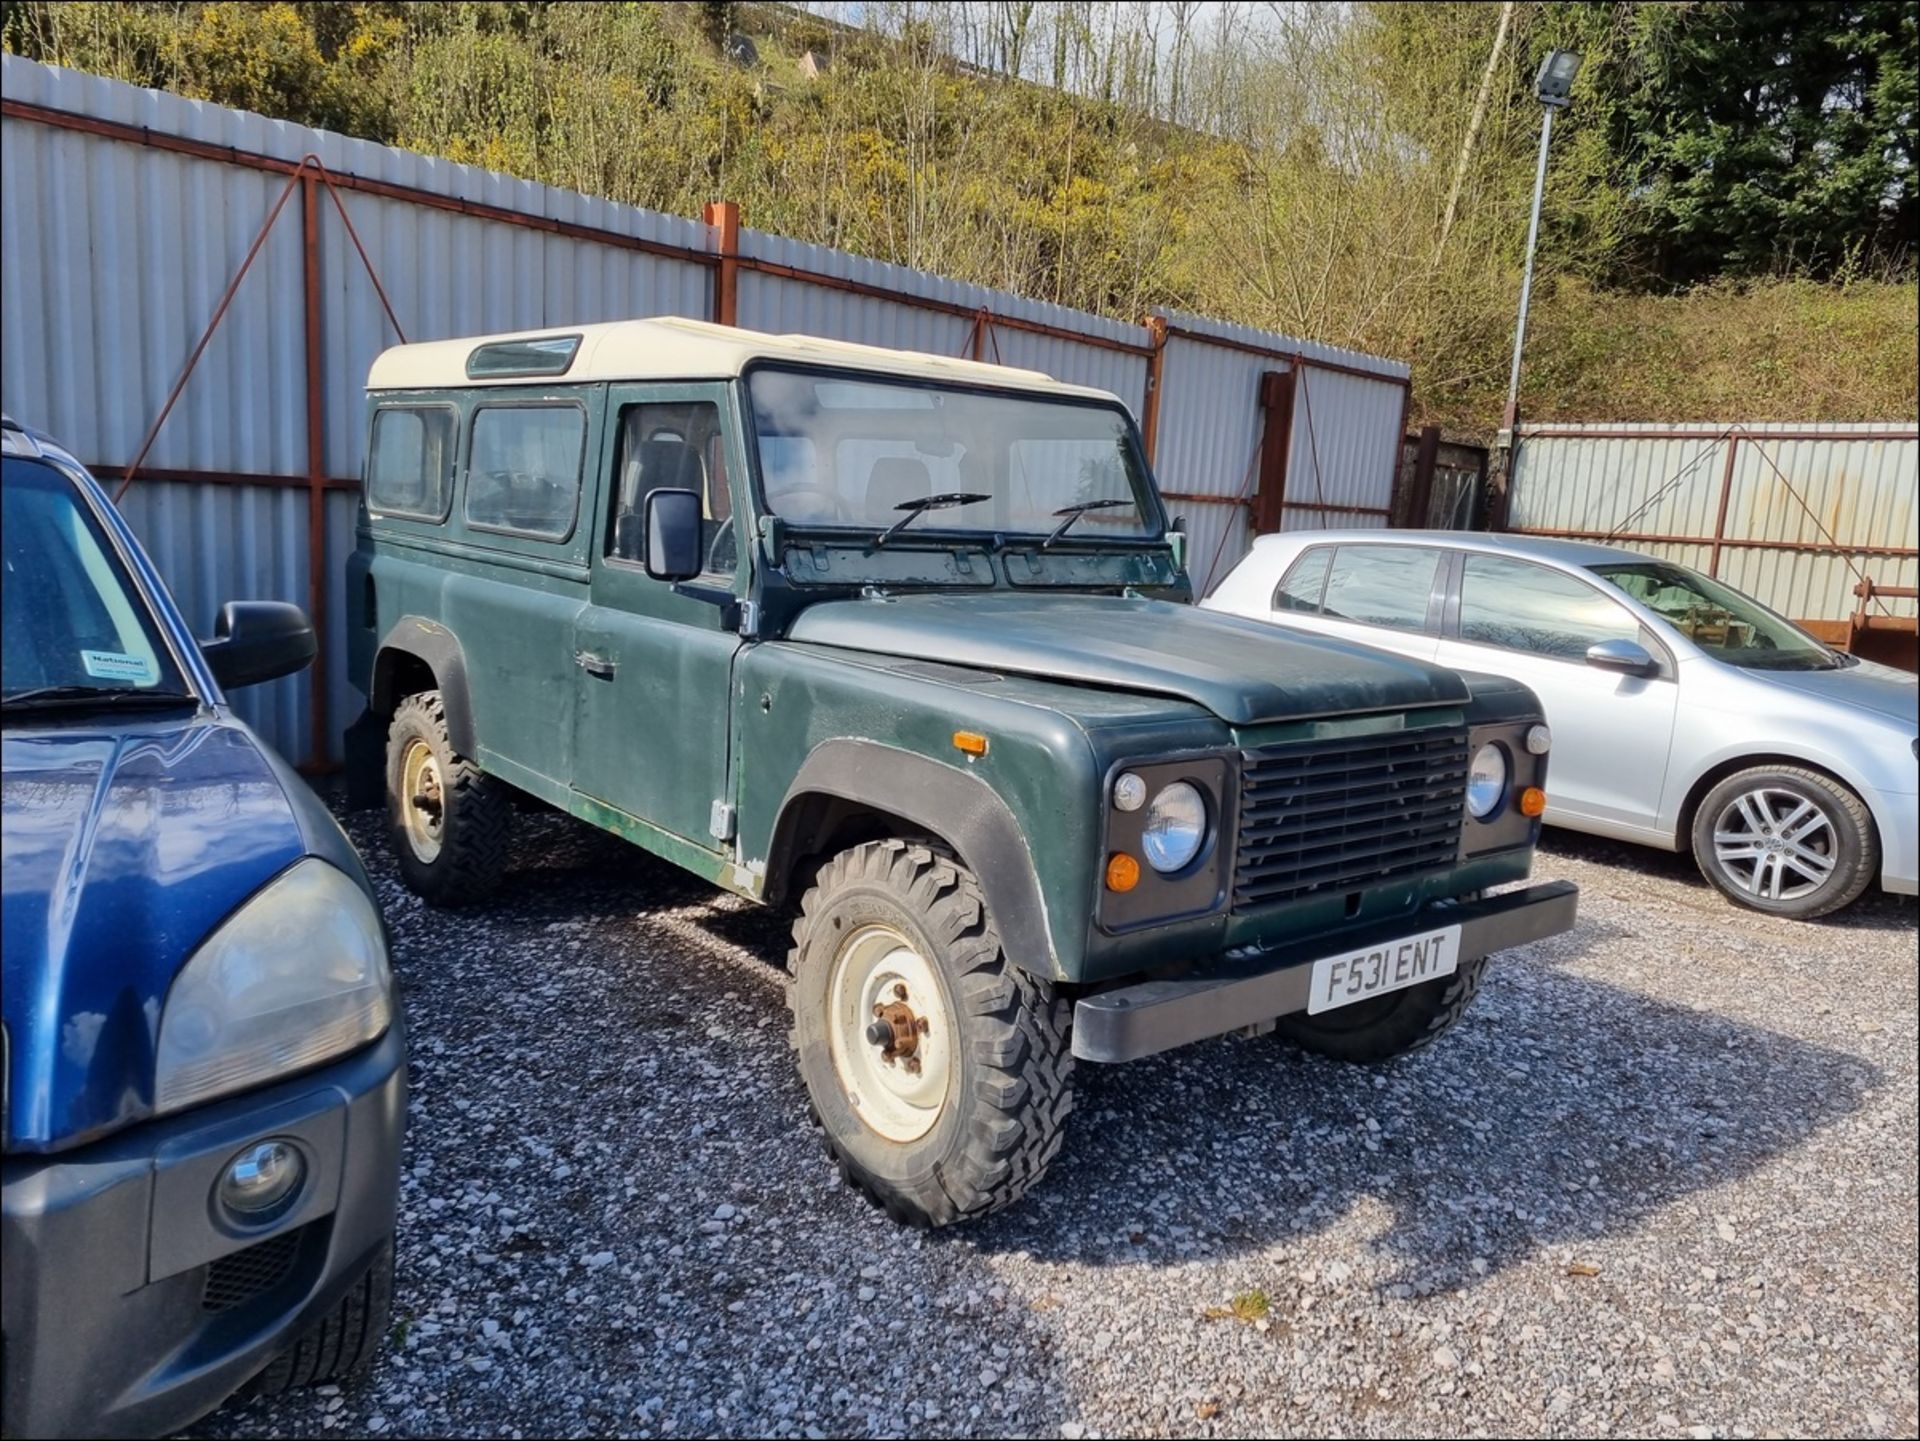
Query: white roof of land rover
[{"x": 671, "y": 348}]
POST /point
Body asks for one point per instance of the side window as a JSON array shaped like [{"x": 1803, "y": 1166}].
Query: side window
[
  {"x": 1388, "y": 585},
  {"x": 679, "y": 446},
  {"x": 1520, "y": 606},
  {"x": 410, "y": 461},
  {"x": 1300, "y": 588},
  {"x": 523, "y": 468}
]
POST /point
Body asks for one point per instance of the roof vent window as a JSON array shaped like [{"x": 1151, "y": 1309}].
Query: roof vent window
[{"x": 548, "y": 355}]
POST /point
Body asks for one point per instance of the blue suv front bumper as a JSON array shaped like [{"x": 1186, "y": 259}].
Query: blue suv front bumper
[{"x": 131, "y": 1308}]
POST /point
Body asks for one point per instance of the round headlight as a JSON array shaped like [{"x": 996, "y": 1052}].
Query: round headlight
[
  {"x": 1539, "y": 740},
  {"x": 1129, "y": 792},
  {"x": 1176, "y": 826},
  {"x": 1487, "y": 781},
  {"x": 262, "y": 1180}
]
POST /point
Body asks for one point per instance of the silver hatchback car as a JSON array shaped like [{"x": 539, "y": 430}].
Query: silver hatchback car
[{"x": 1685, "y": 714}]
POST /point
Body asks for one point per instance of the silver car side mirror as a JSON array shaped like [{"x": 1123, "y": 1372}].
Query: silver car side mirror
[{"x": 1628, "y": 657}]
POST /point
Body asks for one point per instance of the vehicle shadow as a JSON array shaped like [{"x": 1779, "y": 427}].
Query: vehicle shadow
[
  {"x": 1875, "y": 910},
  {"x": 1561, "y": 1110}
]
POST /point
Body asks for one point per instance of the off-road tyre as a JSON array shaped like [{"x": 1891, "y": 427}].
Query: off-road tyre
[
  {"x": 1849, "y": 837},
  {"x": 476, "y": 818},
  {"x": 1384, "y": 1027},
  {"x": 1009, "y": 1083},
  {"x": 339, "y": 1343}
]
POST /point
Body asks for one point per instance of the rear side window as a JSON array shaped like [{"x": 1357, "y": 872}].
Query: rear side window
[
  {"x": 410, "y": 461},
  {"x": 523, "y": 469},
  {"x": 1387, "y": 585},
  {"x": 1300, "y": 588},
  {"x": 1520, "y": 606}
]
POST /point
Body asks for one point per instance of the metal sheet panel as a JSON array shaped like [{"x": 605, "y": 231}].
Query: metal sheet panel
[
  {"x": 1218, "y": 537},
  {"x": 1209, "y": 432},
  {"x": 1210, "y": 428},
  {"x": 780, "y": 304},
  {"x": 1277, "y": 346},
  {"x": 1346, "y": 439},
  {"x": 1824, "y": 487},
  {"x": 216, "y": 543},
  {"x": 1294, "y": 517}
]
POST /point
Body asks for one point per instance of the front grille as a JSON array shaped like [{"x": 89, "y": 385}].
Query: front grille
[
  {"x": 1341, "y": 815},
  {"x": 236, "y": 1279}
]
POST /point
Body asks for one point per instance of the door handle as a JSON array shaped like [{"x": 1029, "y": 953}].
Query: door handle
[{"x": 600, "y": 665}]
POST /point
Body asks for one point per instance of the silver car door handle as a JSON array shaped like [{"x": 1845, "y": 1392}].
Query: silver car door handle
[{"x": 600, "y": 665}]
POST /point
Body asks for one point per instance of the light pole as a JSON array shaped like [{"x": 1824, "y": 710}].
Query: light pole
[{"x": 1551, "y": 84}]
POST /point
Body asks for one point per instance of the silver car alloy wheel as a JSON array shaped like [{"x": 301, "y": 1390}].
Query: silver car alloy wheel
[{"x": 1775, "y": 843}]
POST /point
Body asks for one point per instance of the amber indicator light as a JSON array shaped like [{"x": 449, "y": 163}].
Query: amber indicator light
[
  {"x": 970, "y": 743},
  {"x": 1123, "y": 872},
  {"x": 1533, "y": 801}
]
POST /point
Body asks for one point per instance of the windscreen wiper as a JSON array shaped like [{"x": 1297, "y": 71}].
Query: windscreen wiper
[
  {"x": 74, "y": 696},
  {"x": 1074, "y": 512},
  {"x": 946, "y": 500}
]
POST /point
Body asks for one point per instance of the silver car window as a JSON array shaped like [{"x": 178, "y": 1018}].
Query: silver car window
[{"x": 1520, "y": 606}]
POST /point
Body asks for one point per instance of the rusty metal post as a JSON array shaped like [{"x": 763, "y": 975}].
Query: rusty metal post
[
  {"x": 317, "y": 709},
  {"x": 1426, "y": 456},
  {"x": 723, "y": 218},
  {"x": 1156, "y": 368},
  {"x": 1397, "y": 469},
  {"x": 1276, "y": 439},
  {"x": 977, "y": 335},
  {"x": 1726, "y": 499}
]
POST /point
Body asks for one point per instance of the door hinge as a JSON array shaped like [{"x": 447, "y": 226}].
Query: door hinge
[{"x": 720, "y": 821}]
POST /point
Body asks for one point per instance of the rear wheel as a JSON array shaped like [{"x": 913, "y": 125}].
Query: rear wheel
[
  {"x": 447, "y": 819},
  {"x": 1785, "y": 840},
  {"x": 937, "y": 1069}
]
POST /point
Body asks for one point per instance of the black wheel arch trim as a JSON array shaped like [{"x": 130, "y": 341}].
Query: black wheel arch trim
[
  {"x": 942, "y": 800},
  {"x": 439, "y": 649}
]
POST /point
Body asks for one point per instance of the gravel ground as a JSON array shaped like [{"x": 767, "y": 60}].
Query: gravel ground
[{"x": 1662, "y": 1179}]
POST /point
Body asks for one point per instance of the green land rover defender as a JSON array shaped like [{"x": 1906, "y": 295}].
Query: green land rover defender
[{"x": 905, "y": 645}]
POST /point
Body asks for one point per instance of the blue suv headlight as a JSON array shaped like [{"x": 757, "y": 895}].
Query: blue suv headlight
[{"x": 297, "y": 976}]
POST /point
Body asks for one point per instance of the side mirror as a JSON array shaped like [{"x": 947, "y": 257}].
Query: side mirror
[
  {"x": 258, "y": 640},
  {"x": 672, "y": 519},
  {"x": 1628, "y": 657},
  {"x": 1177, "y": 541}
]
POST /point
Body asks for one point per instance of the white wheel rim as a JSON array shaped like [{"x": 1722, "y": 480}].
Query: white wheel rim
[
  {"x": 1776, "y": 845},
  {"x": 422, "y": 799},
  {"x": 896, "y": 1101}
]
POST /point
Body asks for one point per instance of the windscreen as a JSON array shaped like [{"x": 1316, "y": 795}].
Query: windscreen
[
  {"x": 70, "y": 615},
  {"x": 864, "y": 454},
  {"x": 1720, "y": 620}
]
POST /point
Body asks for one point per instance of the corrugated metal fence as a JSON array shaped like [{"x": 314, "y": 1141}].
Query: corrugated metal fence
[
  {"x": 1795, "y": 515},
  {"x": 128, "y": 213}
]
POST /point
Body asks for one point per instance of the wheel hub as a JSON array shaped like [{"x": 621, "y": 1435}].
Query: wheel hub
[
  {"x": 423, "y": 801},
  {"x": 1775, "y": 843},
  {"x": 896, "y": 1030},
  {"x": 889, "y": 1033}
]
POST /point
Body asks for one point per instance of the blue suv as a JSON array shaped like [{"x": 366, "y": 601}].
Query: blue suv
[{"x": 204, "y": 1060}]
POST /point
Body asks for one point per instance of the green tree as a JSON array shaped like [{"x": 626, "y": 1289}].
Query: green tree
[{"x": 1775, "y": 137}]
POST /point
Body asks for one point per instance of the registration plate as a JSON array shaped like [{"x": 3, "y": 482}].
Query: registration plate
[{"x": 1390, "y": 966}]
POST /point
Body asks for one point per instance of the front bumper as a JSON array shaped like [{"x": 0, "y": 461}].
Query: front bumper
[
  {"x": 1251, "y": 988},
  {"x": 131, "y": 1308},
  {"x": 1896, "y": 816}
]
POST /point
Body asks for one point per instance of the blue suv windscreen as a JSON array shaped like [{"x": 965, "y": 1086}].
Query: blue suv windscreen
[{"x": 74, "y": 624}]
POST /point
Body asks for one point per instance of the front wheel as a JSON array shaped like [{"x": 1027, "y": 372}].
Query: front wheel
[
  {"x": 1391, "y": 1025},
  {"x": 1785, "y": 840},
  {"x": 938, "y": 1070}
]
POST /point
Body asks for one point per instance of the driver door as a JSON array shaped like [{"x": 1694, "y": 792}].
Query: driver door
[{"x": 652, "y": 668}]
